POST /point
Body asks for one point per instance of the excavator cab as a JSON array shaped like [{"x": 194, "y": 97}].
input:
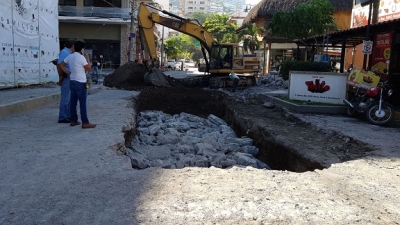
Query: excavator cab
[
  {"x": 221, "y": 57},
  {"x": 226, "y": 57}
]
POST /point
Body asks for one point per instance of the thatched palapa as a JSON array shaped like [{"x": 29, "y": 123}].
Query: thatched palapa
[{"x": 266, "y": 8}]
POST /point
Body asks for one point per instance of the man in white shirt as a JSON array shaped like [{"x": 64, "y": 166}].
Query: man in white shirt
[
  {"x": 235, "y": 79},
  {"x": 79, "y": 65}
]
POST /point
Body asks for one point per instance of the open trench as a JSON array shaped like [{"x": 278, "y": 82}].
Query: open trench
[{"x": 284, "y": 142}]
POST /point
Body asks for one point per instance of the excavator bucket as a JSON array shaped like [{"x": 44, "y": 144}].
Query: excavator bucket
[{"x": 156, "y": 77}]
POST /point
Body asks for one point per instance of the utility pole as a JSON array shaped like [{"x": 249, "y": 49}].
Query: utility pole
[{"x": 132, "y": 35}]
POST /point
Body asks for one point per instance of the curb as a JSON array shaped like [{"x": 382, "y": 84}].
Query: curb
[
  {"x": 31, "y": 104},
  {"x": 307, "y": 108}
]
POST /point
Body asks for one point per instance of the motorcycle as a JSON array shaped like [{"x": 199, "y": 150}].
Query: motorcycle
[{"x": 371, "y": 103}]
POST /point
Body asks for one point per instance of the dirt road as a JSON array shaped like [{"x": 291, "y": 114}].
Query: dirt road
[{"x": 56, "y": 174}]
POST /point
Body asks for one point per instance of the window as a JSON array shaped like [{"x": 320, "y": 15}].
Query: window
[
  {"x": 67, "y": 2},
  {"x": 108, "y": 3},
  {"x": 190, "y": 2},
  {"x": 201, "y": 8},
  {"x": 238, "y": 52},
  {"x": 361, "y": 2},
  {"x": 202, "y": 3},
  {"x": 190, "y": 7}
]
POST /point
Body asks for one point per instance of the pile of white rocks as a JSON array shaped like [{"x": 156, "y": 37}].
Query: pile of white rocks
[
  {"x": 185, "y": 140},
  {"x": 273, "y": 80}
]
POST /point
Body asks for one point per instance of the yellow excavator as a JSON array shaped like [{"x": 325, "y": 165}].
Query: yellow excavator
[{"x": 219, "y": 58}]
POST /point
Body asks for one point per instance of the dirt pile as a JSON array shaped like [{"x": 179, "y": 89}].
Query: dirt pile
[
  {"x": 129, "y": 76},
  {"x": 171, "y": 100}
]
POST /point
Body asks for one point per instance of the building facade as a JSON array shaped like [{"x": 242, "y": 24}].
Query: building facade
[{"x": 105, "y": 27}]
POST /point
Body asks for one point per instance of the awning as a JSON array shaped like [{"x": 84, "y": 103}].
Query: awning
[
  {"x": 90, "y": 20},
  {"x": 353, "y": 36}
]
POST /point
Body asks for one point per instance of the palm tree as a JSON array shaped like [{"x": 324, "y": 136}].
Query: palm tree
[{"x": 248, "y": 33}]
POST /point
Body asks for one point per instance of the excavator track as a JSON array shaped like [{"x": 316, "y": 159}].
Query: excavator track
[{"x": 226, "y": 82}]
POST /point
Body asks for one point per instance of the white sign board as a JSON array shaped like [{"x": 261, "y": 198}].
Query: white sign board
[
  {"x": 388, "y": 10},
  {"x": 317, "y": 87},
  {"x": 367, "y": 47}
]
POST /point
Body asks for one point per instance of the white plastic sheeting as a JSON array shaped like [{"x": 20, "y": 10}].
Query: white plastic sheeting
[{"x": 29, "y": 41}]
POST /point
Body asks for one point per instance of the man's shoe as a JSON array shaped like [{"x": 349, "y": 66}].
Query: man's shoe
[
  {"x": 88, "y": 125},
  {"x": 64, "y": 121},
  {"x": 74, "y": 123}
]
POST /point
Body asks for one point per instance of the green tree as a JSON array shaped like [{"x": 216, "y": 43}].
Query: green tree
[
  {"x": 230, "y": 38},
  {"x": 200, "y": 17},
  {"x": 217, "y": 25},
  {"x": 171, "y": 47},
  {"x": 188, "y": 43},
  {"x": 181, "y": 46},
  {"x": 308, "y": 19},
  {"x": 197, "y": 55},
  {"x": 248, "y": 34}
]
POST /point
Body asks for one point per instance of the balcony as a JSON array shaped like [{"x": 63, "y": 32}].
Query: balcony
[{"x": 94, "y": 14}]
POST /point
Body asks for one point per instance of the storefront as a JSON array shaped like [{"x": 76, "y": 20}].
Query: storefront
[{"x": 385, "y": 56}]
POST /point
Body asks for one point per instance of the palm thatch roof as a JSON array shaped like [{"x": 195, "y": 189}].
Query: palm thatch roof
[{"x": 266, "y": 8}]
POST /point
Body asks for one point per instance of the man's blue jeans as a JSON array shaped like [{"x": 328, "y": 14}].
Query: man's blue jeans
[
  {"x": 64, "y": 112},
  {"x": 95, "y": 73},
  {"x": 78, "y": 93}
]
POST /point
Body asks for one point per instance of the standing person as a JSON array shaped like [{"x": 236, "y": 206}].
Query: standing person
[
  {"x": 227, "y": 59},
  {"x": 235, "y": 79},
  {"x": 79, "y": 64},
  {"x": 95, "y": 73},
  {"x": 63, "y": 82},
  {"x": 350, "y": 68}
]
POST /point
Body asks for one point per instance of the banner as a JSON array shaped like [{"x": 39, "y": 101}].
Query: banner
[
  {"x": 381, "y": 52},
  {"x": 49, "y": 40},
  {"x": 28, "y": 45},
  {"x": 7, "y": 76},
  {"x": 26, "y": 42}
]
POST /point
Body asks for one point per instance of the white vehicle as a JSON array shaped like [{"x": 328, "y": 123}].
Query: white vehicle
[
  {"x": 178, "y": 66},
  {"x": 171, "y": 63}
]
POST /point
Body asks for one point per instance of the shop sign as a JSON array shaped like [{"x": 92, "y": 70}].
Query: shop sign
[
  {"x": 363, "y": 79},
  {"x": 381, "y": 52},
  {"x": 388, "y": 10},
  {"x": 317, "y": 87},
  {"x": 359, "y": 16}
]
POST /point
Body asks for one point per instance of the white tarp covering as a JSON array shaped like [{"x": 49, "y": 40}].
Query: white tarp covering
[
  {"x": 6, "y": 40},
  {"x": 29, "y": 40},
  {"x": 48, "y": 40}
]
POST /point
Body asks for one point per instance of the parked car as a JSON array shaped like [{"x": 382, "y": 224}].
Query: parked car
[
  {"x": 178, "y": 66},
  {"x": 171, "y": 63}
]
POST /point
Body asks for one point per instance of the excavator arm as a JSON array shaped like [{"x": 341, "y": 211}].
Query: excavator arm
[
  {"x": 147, "y": 19},
  {"x": 213, "y": 52}
]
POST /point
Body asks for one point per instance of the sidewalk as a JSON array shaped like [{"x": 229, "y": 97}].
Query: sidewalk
[
  {"x": 52, "y": 173},
  {"x": 23, "y": 99}
]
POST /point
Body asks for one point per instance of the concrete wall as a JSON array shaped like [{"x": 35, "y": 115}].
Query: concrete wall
[{"x": 343, "y": 19}]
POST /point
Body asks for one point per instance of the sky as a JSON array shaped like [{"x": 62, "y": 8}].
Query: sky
[{"x": 252, "y": 2}]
